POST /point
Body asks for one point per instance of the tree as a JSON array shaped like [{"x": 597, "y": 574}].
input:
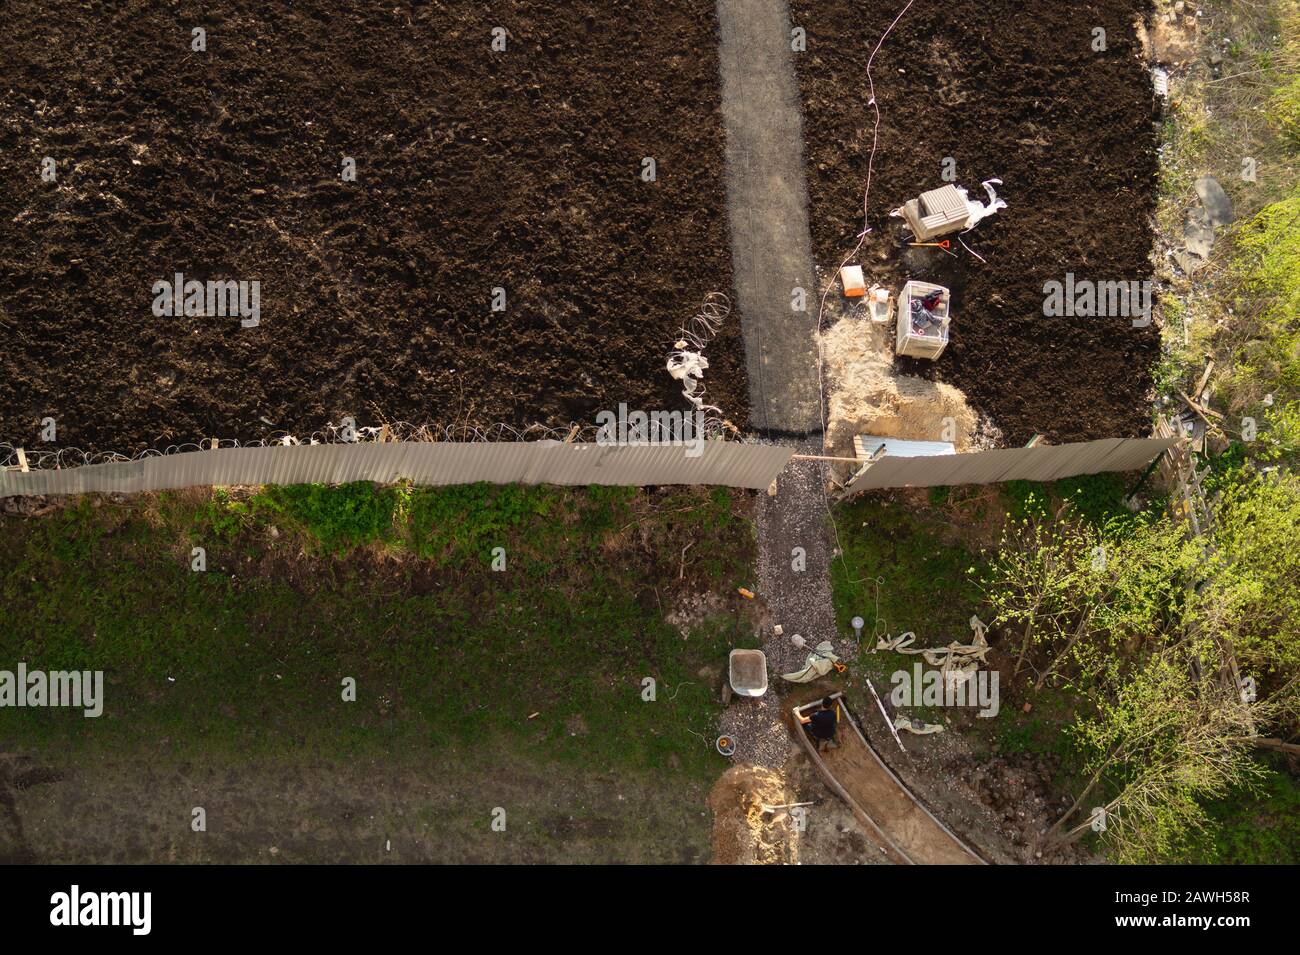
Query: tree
[
  {"x": 1164, "y": 739},
  {"x": 1251, "y": 591},
  {"x": 1080, "y": 595},
  {"x": 1032, "y": 581}
]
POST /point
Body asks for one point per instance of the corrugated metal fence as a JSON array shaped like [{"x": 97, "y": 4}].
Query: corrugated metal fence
[
  {"x": 1040, "y": 463},
  {"x": 729, "y": 463}
]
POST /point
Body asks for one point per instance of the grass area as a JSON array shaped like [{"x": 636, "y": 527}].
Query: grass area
[
  {"x": 912, "y": 566},
  {"x": 906, "y": 567},
  {"x": 394, "y": 588},
  {"x": 900, "y": 572},
  {"x": 1252, "y": 828}
]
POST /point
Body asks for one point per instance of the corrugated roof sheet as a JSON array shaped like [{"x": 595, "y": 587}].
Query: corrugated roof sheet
[{"x": 866, "y": 445}]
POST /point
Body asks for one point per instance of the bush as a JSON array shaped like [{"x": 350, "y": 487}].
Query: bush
[
  {"x": 339, "y": 518},
  {"x": 1095, "y": 498},
  {"x": 463, "y": 522}
]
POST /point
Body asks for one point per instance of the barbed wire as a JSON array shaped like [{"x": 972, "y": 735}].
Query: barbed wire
[
  {"x": 686, "y": 362},
  {"x": 692, "y": 336}
]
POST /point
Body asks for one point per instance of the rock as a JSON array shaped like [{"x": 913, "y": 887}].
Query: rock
[
  {"x": 1188, "y": 261},
  {"x": 1198, "y": 237},
  {"x": 1218, "y": 207}
]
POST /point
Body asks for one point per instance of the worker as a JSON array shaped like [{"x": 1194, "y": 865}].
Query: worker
[{"x": 823, "y": 725}]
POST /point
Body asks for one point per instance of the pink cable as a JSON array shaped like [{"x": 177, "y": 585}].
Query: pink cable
[{"x": 866, "y": 228}]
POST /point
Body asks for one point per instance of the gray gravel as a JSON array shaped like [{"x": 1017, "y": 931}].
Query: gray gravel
[{"x": 798, "y": 601}]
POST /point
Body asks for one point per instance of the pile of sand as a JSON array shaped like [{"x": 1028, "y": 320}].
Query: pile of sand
[
  {"x": 742, "y": 833},
  {"x": 866, "y": 395}
]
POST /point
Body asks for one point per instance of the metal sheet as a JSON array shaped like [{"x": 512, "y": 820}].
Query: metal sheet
[
  {"x": 1041, "y": 463},
  {"x": 729, "y": 463}
]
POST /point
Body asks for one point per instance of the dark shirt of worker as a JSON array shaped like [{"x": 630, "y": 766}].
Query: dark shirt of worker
[{"x": 822, "y": 724}]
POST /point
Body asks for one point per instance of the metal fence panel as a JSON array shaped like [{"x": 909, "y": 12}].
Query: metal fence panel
[
  {"x": 729, "y": 463},
  {"x": 732, "y": 464},
  {"x": 1041, "y": 463}
]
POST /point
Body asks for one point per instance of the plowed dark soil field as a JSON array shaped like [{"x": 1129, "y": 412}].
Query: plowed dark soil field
[
  {"x": 519, "y": 169},
  {"x": 1012, "y": 90}
]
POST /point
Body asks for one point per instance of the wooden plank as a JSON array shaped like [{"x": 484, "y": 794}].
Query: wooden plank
[{"x": 1205, "y": 380}]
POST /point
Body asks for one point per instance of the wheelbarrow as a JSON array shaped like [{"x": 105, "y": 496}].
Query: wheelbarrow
[{"x": 748, "y": 672}]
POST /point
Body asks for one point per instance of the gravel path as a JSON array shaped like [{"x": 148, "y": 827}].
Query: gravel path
[
  {"x": 799, "y": 601},
  {"x": 767, "y": 205}
]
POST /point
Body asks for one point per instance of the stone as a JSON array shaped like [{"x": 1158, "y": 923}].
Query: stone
[
  {"x": 1188, "y": 262},
  {"x": 1198, "y": 238},
  {"x": 1217, "y": 205}
]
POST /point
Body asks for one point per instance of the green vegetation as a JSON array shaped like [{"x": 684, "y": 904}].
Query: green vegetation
[
  {"x": 334, "y": 519},
  {"x": 1242, "y": 308},
  {"x": 1262, "y": 344},
  {"x": 1240, "y": 124},
  {"x": 1114, "y": 626},
  {"x": 393, "y": 587},
  {"x": 1145, "y": 625},
  {"x": 899, "y": 572},
  {"x": 1250, "y": 827}
]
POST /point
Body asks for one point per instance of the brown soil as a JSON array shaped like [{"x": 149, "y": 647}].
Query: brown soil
[
  {"x": 1013, "y": 91},
  {"x": 474, "y": 170},
  {"x": 135, "y": 807},
  {"x": 1000, "y": 804},
  {"x": 907, "y": 825}
]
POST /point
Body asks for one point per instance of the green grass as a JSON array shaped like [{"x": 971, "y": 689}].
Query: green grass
[
  {"x": 392, "y": 587},
  {"x": 1251, "y": 828},
  {"x": 1097, "y": 499},
  {"x": 335, "y": 518},
  {"x": 925, "y": 583}
]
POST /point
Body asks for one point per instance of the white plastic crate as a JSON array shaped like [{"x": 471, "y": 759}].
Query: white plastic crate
[{"x": 910, "y": 343}]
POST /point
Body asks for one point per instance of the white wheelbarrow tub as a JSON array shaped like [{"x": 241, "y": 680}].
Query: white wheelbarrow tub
[{"x": 748, "y": 672}]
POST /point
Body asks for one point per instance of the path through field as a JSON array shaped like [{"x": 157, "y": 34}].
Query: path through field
[
  {"x": 767, "y": 203},
  {"x": 771, "y": 256}
]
